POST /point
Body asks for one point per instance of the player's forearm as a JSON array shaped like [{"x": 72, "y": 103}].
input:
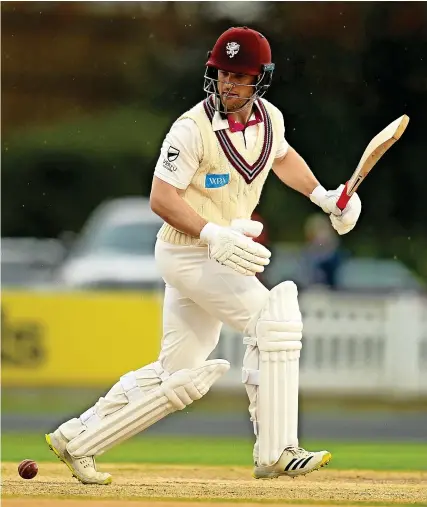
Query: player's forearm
[
  {"x": 295, "y": 173},
  {"x": 170, "y": 206}
]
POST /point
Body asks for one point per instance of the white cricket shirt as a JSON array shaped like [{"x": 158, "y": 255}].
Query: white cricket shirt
[{"x": 183, "y": 144}]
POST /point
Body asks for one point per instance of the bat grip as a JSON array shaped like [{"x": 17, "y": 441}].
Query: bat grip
[{"x": 343, "y": 198}]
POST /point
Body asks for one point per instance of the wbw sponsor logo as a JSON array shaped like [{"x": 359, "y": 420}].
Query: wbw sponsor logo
[{"x": 216, "y": 180}]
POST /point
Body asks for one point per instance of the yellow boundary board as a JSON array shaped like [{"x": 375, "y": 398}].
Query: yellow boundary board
[{"x": 83, "y": 338}]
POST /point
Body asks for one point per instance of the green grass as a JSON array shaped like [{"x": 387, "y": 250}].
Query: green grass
[
  {"x": 227, "y": 451},
  {"x": 62, "y": 400}
]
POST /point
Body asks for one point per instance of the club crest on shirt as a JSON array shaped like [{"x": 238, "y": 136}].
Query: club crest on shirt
[
  {"x": 173, "y": 153},
  {"x": 216, "y": 180}
]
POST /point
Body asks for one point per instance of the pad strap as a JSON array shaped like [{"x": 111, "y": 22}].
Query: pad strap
[
  {"x": 250, "y": 377},
  {"x": 90, "y": 418},
  {"x": 130, "y": 385}
]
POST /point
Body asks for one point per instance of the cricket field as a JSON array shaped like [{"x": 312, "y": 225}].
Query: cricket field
[{"x": 179, "y": 472}]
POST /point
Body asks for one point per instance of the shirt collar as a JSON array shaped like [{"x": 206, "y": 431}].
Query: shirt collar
[{"x": 222, "y": 121}]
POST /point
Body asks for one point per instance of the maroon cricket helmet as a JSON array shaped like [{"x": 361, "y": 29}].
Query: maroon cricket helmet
[{"x": 240, "y": 50}]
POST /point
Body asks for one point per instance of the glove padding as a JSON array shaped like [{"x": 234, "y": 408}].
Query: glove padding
[
  {"x": 342, "y": 221},
  {"x": 231, "y": 248}
]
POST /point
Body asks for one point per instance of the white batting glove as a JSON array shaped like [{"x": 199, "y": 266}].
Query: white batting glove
[
  {"x": 342, "y": 221},
  {"x": 233, "y": 249},
  {"x": 250, "y": 228}
]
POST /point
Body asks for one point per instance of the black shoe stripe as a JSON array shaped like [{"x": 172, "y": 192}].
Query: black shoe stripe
[
  {"x": 298, "y": 463},
  {"x": 290, "y": 464},
  {"x": 305, "y": 462}
]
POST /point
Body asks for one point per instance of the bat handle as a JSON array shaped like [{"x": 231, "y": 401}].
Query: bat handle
[{"x": 344, "y": 198}]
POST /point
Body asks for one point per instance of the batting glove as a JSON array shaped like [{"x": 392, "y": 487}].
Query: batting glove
[{"x": 342, "y": 221}]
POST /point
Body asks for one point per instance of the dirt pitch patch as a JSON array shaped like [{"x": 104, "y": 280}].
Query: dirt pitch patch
[{"x": 179, "y": 486}]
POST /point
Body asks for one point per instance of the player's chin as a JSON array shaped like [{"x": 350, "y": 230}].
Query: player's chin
[{"x": 234, "y": 103}]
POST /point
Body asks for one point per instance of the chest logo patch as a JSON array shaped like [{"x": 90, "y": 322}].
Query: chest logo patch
[{"x": 216, "y": 180}]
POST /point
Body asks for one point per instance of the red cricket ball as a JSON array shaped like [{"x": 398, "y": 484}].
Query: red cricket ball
[{"x": 28, "y": 469}]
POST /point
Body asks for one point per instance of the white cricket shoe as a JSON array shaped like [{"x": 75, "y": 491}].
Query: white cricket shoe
[
  {"x": 294, "y": 461},
  {"x": 83, "y": 469}
]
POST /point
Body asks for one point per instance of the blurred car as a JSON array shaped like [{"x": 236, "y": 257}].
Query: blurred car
[
  {"x": 29, "y": 262},
  {"x": 357, "y": 274},
  {"x": 377, "y": 275},
  {"x": 115, "y": 248}
]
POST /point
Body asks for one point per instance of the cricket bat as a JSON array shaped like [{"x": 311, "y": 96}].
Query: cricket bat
[{"x": 373, "y": 152}]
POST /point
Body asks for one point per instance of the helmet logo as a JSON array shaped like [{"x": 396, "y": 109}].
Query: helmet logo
[{"x": 232, "y": 48}]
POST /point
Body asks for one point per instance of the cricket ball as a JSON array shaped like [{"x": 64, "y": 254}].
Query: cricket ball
[{"x": 28, "y": 469}]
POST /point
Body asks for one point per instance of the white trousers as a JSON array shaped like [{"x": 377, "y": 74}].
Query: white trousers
[{"x": 200, "y": 296}]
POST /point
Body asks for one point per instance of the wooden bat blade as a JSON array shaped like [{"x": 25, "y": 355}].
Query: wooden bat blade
[
  {"x": 373, "y": 152},
  {"x": 376, "y": 149}
]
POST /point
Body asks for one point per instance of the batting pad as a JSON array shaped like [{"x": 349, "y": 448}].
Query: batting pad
[
  {"x": 175, "y": 393},
  {"x": 279, "y": 333}
]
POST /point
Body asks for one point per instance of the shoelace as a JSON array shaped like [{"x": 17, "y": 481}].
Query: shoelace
[
  {"x": 297, "y": 450},
  {"x": 88, "y": 461}
]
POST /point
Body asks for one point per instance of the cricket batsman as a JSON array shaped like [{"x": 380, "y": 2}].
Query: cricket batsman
[{"x": 213, "y": 165}]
